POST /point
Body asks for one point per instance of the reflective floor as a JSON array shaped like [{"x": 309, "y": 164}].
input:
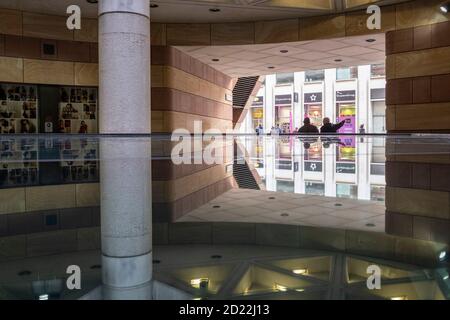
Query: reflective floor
[{"x": 244, "y": 217}]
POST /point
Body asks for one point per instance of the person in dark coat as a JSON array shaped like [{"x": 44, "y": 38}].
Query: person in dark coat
[
  {"x": 328, "y": 127},
  {"x": 308, "y": 127}
]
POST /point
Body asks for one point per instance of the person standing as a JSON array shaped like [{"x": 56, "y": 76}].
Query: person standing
[
  {"x": 328, "y": 127},
  {"x": 308, "y": 127}
]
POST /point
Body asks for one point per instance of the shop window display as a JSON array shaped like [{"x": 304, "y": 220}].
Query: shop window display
[
  {"x": 78, "y": 110},
  {"x": 313, "y": 108},
  {"x": 18, "y": 162},
  {"x": 18, "y": 108},
  {"x": 79, "y": 161},
  {"x": 283, "y": 112}
]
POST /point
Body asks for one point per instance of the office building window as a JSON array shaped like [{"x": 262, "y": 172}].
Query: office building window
[
  {"x": 314, "y": 75},
  {"x": 313, "y": 188},
  {"x": 347, "y": 73},
  {"x": 377, "y": 193},
  {"x": 285, "y": 78},
  {"x": 378, "y": 70}
]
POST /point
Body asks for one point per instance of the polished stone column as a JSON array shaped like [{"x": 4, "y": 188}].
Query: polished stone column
[{"x": 125, "y": 168}]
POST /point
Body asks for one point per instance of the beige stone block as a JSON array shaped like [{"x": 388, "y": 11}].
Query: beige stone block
[
  {"x": 12, "y": 200},
  {"x": 232, "y": 33},
  {"x": 420, "y": 63},
  {"x": 48, "y": 72},
  {"x": 417, "y": 252},
  {"x": 54, "y": 242},
  {"x": 10, "y": 22},
  {"x": 88, "y": 195},
  {"x": 233, "y": 233},
  {"x": 277, "y": 235},
  {"x": 158, "y": 34},
  {"x": 46, "y": 26},
  {"x": 370, "y": 244},
  {"x": 13, "y": 247},
  {"x": 427, "y": 203},
  {"x": 277, "y": 31},
  {"x": 86, "y": 74},
  {"x": 50, "y": 197},
  {"x": 323, "y": 27},
  {"x": 188, "y": 34},
  {"x": 322, "y": 238},
  {"x": 419, "y": 13},
  {"x": 88, "y": 31},
  {"x": 190, "y": 233},
  {"x": 11, "y": 69},
  {"x": 88, "y": 239}
]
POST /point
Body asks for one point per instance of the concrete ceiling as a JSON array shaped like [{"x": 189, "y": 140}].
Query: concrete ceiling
[
  {"x": 252, "y": 60},
  {"x": 190, "y": 11}
]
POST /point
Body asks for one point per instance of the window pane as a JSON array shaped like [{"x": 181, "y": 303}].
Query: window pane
[
  {"x": 285, "y": 78},
  {"x": 377, "y": 70},
  {"x": 314, "y": 75},
  {"x": 346, "y": 73}
]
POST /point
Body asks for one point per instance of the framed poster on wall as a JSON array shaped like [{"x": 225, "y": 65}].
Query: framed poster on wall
[
  {"x": 18, "y": 108},
  {"x": 78, "y": 110}
]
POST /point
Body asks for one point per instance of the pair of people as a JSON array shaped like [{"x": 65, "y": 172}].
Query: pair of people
[{"x": 327, "y": 127}]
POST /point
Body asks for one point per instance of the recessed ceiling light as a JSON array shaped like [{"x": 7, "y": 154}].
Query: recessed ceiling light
[
  {"x": 154, "y": 5},
  {"x": 284, "y": 51},
  {"x": 337, "y": 60},
  {"x": 216, "y": 256},
  {"x": 445, "y": 7},
  {"x": 216, "y": 207},
  {"x": 370, "y": 225},
  {"x": 216, "y": 60},
  {"x": 214, "y": 10},
  {"x": 284, "y": 214},
  {"x": 371, "y": 40},
  {"x": 92, "y": 1},
  {"x": 271, "y": 67}
]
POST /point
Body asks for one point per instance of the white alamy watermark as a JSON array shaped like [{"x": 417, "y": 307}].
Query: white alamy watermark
[
  {"x": 73, "y": 282},
  {"x": 74, "y": 20},
  {"x": 374, "y": 21},
  {"x": 209, "y": 147},
  {"x": 374, "y": 280}
]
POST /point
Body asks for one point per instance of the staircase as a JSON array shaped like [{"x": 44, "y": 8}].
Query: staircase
[
  {"x": 242, "y": 93},
  {"x": 243, "y": 176},
  {"x": 241, "y": 171}
]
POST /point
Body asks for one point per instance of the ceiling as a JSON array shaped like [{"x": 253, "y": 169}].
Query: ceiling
[
  {"x": 190, "y": 11},
  {"x": 252, "y": 60}
]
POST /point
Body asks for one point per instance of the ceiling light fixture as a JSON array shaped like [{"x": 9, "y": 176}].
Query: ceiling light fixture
[
  {"x": 214, "y": 10},
  {"x": 215, "y": 60},
  {"x": 300, "y": 271},
  {"x": 399, "y": 298},
  {"x": 284, "y": 51},
  {"x": 337, "y": 60},
  {"x": 442, "y": 255},
  {"x": 92, "y": 1},
  {"x": 371, "y": 40},
  {"x": 445, "y": 8},
  {"x": 271, "y": 67},
  {"x": 154, "y": 5}
]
